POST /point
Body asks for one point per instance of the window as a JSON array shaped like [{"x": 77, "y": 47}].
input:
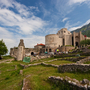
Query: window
[{"x": 64, "y": 31}]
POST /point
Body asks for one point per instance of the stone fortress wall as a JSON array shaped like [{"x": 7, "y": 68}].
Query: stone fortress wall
[{"x": 52, "y": 41}]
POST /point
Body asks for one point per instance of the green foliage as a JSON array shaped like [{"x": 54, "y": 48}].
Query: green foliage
[
  {"x": 85, "y": 42},
  {"x": 70, "y": 45},
  {"x": 3, "y": 48},
  {"x": 87, "y": 33}
]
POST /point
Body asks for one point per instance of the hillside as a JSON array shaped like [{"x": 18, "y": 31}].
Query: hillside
[{"x": 85, "y": 30}]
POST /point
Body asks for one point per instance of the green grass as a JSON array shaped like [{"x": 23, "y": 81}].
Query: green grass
[
  {"x": 88, "y": 62},
  {"x": 60, "y": 62},
  {"x": 39, "y": 76},
  {"x": 7, "y": 57},
  {"x": 10, "y": 79},
  {"x": 42, "y": 60}
]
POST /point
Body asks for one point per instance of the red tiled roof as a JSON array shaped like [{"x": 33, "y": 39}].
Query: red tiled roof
[{"x": 40, "y": 44}]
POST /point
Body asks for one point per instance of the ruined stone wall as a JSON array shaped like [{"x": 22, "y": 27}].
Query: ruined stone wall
[
  {"x": 74, "y": 68},
  {"x": 70, "y": 84},
  {"x": 66, "y": 48},
  {"x": 13, "y": 52},
  {"x": 28, "y": 50}
]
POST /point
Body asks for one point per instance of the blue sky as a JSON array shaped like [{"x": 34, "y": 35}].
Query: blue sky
[{"x": 31, "y": 20}]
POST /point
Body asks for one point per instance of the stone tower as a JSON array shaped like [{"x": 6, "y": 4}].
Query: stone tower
[{"x": 21, "y": 50}]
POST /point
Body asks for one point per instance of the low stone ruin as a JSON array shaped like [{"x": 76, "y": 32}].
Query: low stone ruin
[{"x": 72, "y": 83}]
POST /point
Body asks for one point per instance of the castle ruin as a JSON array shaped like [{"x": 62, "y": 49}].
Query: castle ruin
[{"x": 60, "y": 40}]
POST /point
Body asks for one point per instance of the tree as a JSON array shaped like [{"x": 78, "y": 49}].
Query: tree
[
  {"x": 85, "y": 42},
  {"x": 3, "y": 48}
]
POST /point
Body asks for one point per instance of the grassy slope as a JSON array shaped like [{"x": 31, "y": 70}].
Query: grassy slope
[
  {"x": 39, "y": 75},
  {"x": 12, "y": 80}
]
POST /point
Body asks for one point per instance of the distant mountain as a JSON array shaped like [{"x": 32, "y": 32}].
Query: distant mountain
[{"x": 84, "y": 29}]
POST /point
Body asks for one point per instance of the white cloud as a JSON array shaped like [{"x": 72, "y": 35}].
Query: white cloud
[
  {"x": 6, "y": 3},
  {"x": 26, "y": 24},
  {"x": 64, "y": 19},
  {"x": 7, "y": 37},
  {"x": 76, "y": 1},
  {"x": 87, "y": 22},
  {"x": 69, "y": 25},
  {"x": 72, "y": 27},
  {"x": 23, "y": 23}
]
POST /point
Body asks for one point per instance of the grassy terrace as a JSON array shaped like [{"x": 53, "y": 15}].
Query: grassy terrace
[
  {"x": 10, "y": 79},
  {"x": 60, "y": 62},
  {"x": 87, "y": 62},
  {"x": 42, "y": 60}
]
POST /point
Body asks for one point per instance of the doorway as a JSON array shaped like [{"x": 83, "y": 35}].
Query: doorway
[{"x": 76, "y": 43}]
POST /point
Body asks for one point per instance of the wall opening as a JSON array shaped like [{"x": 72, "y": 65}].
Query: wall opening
[
  {"x": 63, "y": 42},
  {"x": 76, "y": 43},
  {"x": 46, "y": 49},
  {"x": 50, "y": 50},
  {"x": 72, "y": 42},
  {"x": 32, "y": 53}
]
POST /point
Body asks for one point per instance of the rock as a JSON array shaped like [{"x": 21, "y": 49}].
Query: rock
[
  {"x": 85, "y": 81},
  {"x": 21, "y": 72},
  {"x": 75, "y": 80},
  {"x": 15, "y": 67},
  {"x": 89, "y": 87}
]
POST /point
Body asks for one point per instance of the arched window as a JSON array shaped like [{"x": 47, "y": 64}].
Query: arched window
[{"x": 50, "y": 50}]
